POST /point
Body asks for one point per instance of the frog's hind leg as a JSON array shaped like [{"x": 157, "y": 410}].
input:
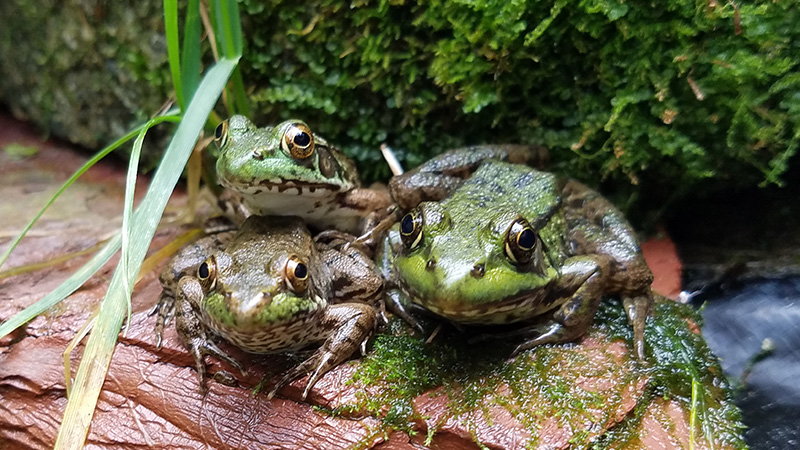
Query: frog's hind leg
[
  {"x": 441, "y": 175},
  {"x": 571, "y": 320},
  {"x": 195, "y": 336},
  {"x": 352, "y": 325}
]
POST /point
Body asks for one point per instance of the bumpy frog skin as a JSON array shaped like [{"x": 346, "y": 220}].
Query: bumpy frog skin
[
  {"x": 512, "y": 244},
  {"x": 288, "y": 170},
  {"x": 269, "y": 288}
]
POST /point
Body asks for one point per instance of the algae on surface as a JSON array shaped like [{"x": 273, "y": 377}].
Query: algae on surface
[{"x": 582, "y": 388}]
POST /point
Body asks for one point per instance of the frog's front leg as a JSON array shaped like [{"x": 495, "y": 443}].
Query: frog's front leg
[
  {"x": 354, "y": 276},
  {"x": 585, "y": 276},
  {"x": 348, "y": 326},
  {"x": 186, "y": 262},
  {"x": 439, "y": 176},
  {"x": 196, "y": 337}
]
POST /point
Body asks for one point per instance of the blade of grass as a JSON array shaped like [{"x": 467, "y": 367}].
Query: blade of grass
[
  {"x": 233, "y": 25},
  {"x": 190, "y": 58},
  {"x": 86, "y": 166},
  {"x": 127, "y": 209},
  {"x": 173, "y": 48},
  {"x": 99, "y": 348},
  {"x": 50, "y": 262},
  {"x": 225, "y": 16}
]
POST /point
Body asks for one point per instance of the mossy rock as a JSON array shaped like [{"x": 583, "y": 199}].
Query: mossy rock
[
  {"x": 84, "y": 71},
  {"x": 649, "y": 97},
  {"x": 592, "y": 394}
]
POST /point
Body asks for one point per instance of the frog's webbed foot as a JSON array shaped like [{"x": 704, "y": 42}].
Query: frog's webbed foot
[
  {"x": 232, "y": 206},
  {"x": 637, "y": 309},
  {"x": 377, "y": 225},
  {"x": 352, "y": 325},
  {"x": 164, "y": 309},
  {"x": 396, "y": 303},
  {"x": 201, "y": 346},
  {"x": 550, "y": 332},
  {"x": 572, "y": 319},
  {"x": 196, "y": 337},
  {"x": 338, "y": 240}
]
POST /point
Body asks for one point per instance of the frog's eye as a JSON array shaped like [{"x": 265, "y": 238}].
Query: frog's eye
[
  {"x": 521, "y": 242},
  {"x": 221, "y": 134},
  {"x": 411, "y": 229},
  {"x": 298, "y": 141},
  {"x": 296, "y": 275},
  {"x": 207, "y": 273}
]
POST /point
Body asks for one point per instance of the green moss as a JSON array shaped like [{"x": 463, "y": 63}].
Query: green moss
[
  {"x": 549, "y": 382},
  {"x": 660, "y": 94}
]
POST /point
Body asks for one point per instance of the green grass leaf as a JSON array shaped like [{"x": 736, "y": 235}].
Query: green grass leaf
[
  {"x": 127, "y": 210},
  {"x": 228, "y": 27},
  {"x": 190, "y": 62},
  {"x": 100, "y": 346},
  {"x": 173, "y": 48}
]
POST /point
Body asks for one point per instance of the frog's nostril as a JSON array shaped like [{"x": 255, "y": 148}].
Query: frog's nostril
[
  {"x": 478, "y": 270},
  {"x": 258, "y": 154},
  {"x": 431, "y": 265}
]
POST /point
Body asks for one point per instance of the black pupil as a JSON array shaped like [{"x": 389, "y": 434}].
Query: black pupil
[
  {"x": 300, "y": 270},
  {"x": 302, "y": 139},
  {"x": 526, "y": 239},
  {"x": 202, "y": 271},
  {"x": 218, "y": 132},
  {"x": 407, "y": 225}
]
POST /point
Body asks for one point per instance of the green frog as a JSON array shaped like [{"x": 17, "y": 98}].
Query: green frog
[
  {"x": 288, "y": 170},
  {"x": 270, "y": 288},
  {"x": 488, "y": 242}
]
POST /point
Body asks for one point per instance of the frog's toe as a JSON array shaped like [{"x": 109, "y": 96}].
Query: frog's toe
[
  {"x": 164, "y": 309},
  {"x": 199, "y": 348},
  {"x": 200, "y": 367},
  {"x": 211, "y": 348},
  {"x": 226, "y": 378},
  {"x": 550, "y": 332},
  {"x": 292, "y": 375},
  {"x": 637, "y": 309}
]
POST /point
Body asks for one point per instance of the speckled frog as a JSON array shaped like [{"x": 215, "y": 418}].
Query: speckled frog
[
  {"x": 487, "y": 242},
  {"x": 288, "y": 170},
  {"x": 270, "y": 288}
]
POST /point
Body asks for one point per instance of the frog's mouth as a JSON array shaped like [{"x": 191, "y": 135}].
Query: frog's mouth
[
  {"x": 285, "y": 187},
  {"x": 522, "y": 306}
]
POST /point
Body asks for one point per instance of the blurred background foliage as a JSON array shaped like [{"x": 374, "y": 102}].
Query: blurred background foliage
[{"x": 649, "y": 100}]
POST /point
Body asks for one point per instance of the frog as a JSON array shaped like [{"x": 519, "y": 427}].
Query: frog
[
  {"x": 289, "y": 170},
  {"x": 270, "y": 287},
  {"x": 489, "y": 242}
]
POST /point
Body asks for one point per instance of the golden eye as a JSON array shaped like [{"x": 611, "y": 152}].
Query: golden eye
[
  {"x": 221, "y": 134},
  {"x": 296, "y": 275},
  {"x": 521, "y": 242},
  {"x": 411, "y": 229},
  {"x": 207, "y": 273},
  {"x": 298, "y": 141}
]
